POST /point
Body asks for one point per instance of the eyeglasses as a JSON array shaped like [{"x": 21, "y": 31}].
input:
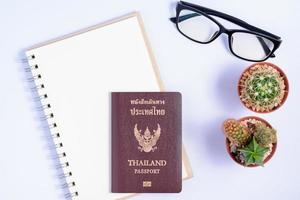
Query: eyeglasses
[{"x": 195, "y": 23}]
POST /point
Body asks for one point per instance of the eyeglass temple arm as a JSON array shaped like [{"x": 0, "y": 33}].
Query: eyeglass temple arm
[
  {"x": 265, "y": 47},
  {"x": 184, "y": 17},
  {"x": 230, "y": 18},
  {"x": 188, "y": 16}
]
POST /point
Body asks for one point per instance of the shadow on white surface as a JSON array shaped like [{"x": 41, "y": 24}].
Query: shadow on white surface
[
  {"x": 215, "y": 142},
  {"x": 208, "y": 140},
  {"x": 226, "y": 88}
]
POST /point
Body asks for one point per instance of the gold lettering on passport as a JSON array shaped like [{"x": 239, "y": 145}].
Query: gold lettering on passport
[
  {"x": 147, "y": 102},
  {"x": 147, "y": 141},
  {"x": 146, "y": 171},
  {"x": 147, "y": 163},
  {"x": 151, "y": 111}
]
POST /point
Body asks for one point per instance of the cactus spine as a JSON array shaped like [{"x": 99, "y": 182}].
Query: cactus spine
[
  {"x": 264, "y": 135},
  {"x": 236, "y": 133},
  {"x": 262, "y": 88}
]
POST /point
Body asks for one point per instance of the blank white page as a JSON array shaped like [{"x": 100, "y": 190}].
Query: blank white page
[{"x": 79, "y": 71}]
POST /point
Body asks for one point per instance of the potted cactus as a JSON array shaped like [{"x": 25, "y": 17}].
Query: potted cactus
[
  {"x": 263, "y": 87},
  {"x": 250, "y": 141}
]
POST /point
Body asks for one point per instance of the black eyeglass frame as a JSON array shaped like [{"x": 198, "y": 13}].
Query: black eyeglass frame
[{"x": 250, "y": 29}]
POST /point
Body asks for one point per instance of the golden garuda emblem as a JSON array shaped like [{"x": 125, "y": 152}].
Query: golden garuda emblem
[{"x": 147, "y": 141}]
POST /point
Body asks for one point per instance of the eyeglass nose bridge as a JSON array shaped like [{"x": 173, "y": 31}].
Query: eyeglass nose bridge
[
  {"x": 228, "y": 32},
  {"x": 222, "y": 30}
]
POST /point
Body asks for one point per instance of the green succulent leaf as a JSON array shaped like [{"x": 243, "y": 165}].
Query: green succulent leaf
[
  {"x": 259, "y": 160},
  {"x": 254, "y": 153}
]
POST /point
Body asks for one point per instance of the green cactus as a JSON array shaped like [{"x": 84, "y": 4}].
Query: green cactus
[
  {"x": 236, "y": 133},
  {"x": 264, "y": 135},
  {"x": 262, "y": 88}
]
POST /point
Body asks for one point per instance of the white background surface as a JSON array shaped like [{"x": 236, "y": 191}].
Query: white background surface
[{"x": 205, "y": 74}]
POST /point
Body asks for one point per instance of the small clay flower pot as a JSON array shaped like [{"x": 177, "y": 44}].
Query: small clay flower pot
[
  {"x": 282, "y": 74},
  {"x": 274, "y": 147}
]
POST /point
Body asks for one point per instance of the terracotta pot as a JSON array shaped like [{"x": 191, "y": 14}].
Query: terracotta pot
[
  {"x": 267, "y": 158},
  {"x": 285, "y": 82}
]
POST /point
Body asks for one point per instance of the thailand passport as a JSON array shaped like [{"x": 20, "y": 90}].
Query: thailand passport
[{"x": 146, "y": 142}]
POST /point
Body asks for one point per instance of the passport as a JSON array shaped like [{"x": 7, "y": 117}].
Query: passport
[{"x": 146, "y": 142}]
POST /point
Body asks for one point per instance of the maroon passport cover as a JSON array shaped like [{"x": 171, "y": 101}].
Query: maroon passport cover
[{"x": 146, "y": 142}]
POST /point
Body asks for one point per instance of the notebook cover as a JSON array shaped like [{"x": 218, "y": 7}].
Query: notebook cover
[{"x": 146, "y": 142}]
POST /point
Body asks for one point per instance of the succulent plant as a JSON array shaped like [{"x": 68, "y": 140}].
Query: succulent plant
[
  {"x": 264, "y": 135},
  {"x": 236, "y": 133},
  {"x": 253, "y": 153},
  {"x": 262, "y": 88},
  {"x": 251, "y": 140}
]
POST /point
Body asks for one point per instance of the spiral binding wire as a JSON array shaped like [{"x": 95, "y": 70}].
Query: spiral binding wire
[{"x": 52, "y": 125}]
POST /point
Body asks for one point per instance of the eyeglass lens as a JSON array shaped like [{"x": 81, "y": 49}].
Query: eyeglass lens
[{"x": 197, "y": 26}]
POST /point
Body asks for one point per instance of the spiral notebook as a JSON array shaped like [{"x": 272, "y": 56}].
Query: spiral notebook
[{"x": 74, "y": 76}]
